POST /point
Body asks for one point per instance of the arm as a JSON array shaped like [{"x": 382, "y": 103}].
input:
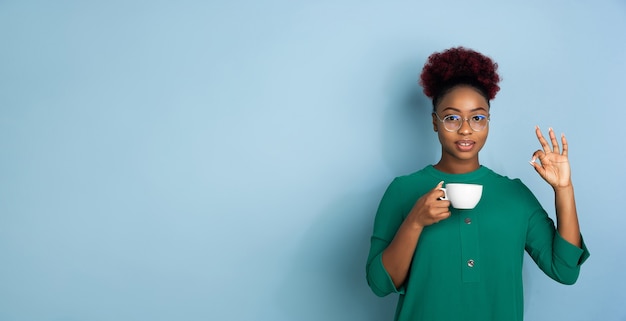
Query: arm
[
  {"x": 566, "y": 217},
  {"x": 555, "y": 170},
  {"x": 397, "y": 257},
  {"x": 554, "y": 255}
]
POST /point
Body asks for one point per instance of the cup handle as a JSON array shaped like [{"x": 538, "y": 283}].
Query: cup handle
[{"x": 445, "y": 194}]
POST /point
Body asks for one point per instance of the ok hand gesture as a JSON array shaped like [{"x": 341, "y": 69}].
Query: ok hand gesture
[{"x": 554, "y": 165}]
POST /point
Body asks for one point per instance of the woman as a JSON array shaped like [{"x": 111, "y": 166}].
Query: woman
[{"x": 450, "y": 264}]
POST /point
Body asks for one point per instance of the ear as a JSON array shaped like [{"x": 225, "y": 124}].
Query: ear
[{"x": 435, "y": 123}]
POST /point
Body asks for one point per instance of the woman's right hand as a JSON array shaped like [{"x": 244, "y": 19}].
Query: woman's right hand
[{"x": 430, "y": 209}]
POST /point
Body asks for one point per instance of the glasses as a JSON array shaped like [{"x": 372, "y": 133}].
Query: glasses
[{"x": 452, "y": 123}]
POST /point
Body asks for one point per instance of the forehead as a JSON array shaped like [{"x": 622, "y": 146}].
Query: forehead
[{"x": 463, "y": 99}]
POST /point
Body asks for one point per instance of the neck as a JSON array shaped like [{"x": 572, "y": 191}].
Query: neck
[{"x": 457, "y": 166}]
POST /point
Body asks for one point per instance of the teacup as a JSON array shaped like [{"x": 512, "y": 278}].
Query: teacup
[{"x": 462, "y": 196}]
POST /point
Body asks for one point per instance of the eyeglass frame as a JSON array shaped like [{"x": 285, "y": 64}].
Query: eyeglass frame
[{"x": 463, "y": 119}]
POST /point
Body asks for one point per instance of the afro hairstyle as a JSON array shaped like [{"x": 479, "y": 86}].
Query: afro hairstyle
[{"x": 459, "y": 66}]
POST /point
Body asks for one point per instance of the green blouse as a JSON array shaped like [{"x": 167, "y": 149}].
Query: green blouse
[{"x": 469, "y": 266}]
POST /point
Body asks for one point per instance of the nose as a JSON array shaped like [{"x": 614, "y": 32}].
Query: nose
[{"x": 465, "y": 128}]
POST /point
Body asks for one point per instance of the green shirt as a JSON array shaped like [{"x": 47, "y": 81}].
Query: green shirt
[{"x": 469, "y": 266}]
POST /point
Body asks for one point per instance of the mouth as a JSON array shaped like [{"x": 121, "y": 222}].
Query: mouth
[{"x": 465, "y": 145}]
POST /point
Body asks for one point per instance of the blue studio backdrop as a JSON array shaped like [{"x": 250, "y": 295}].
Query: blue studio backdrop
[{"x": 223, "y": 160}]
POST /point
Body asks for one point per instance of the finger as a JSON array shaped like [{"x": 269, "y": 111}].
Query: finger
[
  {"x": 542, "y": 141},
  {"x": 564, "y": 143},
  {"x": 538, "y": 154},
  {"x": 442, "y": 205},
  {"x": 442, "y": 216},
  {"x": 437, "y": 214},
  {"x": 436, "y": 192},
  {"x": 555, "y": 144},
  {"x": 538, "y": 166}
]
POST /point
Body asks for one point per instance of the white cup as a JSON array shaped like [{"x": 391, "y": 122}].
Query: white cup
[{"x": 462, "y": 196}]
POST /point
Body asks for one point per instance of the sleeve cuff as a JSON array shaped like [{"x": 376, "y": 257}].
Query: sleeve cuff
[
  {"x": 570, "y": 254},
  {"x": 380, "y": 280}
]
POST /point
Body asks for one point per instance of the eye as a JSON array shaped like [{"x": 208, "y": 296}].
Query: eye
[
  {"x": 478, "y": 118},
  {"x": 452, "y": 118}
]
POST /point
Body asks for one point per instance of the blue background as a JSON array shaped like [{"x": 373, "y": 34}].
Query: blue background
[{"x": 223, "y": 160}]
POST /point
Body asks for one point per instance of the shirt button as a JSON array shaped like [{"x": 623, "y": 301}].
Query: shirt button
[
  {"x": 470, "y": 263},
  {"x": 468, "y": 220}
]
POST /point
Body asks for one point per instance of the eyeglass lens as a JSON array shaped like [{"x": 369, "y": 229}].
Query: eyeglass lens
[{"x": 454, "y": 122}]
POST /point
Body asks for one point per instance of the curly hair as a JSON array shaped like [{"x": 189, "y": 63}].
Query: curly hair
[{"x": 455, "y": 66}]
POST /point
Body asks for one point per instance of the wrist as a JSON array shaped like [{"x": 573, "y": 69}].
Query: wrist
[
  {"x": 563, "y": 188},
  {"x": 413, "y": 224}
]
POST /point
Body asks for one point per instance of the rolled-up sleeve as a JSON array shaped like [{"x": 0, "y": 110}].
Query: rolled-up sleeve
[
  {"x": 555, "y": 256},
  {"x": 377, "y": 277},
  {"x": 389, "y": 217}
]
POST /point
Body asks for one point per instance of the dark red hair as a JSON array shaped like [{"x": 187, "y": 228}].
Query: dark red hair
[{"x": 459, "y": 66}]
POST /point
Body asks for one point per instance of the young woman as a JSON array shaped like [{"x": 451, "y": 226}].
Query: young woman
[{"x": 451, "y": 264}]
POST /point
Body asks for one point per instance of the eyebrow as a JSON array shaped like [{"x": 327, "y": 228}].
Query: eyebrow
[{"x": 458, "y": 110}]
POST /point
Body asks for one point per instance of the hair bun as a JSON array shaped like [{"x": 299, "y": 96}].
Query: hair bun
[{"x": 459, "y": 65}]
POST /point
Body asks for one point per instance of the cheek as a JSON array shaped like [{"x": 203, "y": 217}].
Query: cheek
[
  {"x": 445, "y": 137},
  {"x": 485, "y": 133},
  {"x": 483, "y": 136}
]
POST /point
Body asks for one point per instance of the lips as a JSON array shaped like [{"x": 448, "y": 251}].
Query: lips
[{"x": 465, "y": 145}]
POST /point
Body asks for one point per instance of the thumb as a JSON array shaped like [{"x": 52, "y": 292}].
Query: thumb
[
  {"x": 538, "y": 167},
  {"x": 438, "y": 188}
]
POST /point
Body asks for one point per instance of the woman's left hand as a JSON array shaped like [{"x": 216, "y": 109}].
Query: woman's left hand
[{"x": 554, "y": 165}]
